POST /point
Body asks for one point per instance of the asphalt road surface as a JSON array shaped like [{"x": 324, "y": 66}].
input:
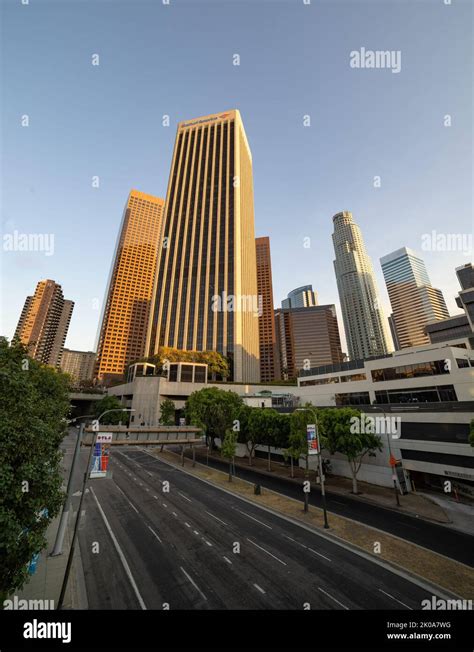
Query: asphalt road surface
[
  {"x": 441, "y": 539},
  {"x": 197, "y": 547}
]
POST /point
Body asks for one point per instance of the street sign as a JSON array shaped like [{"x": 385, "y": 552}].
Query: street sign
[
  {"x": 100, "y": 460},
  {"x": 104, "y": 437},
  {"x": 313, "y": 448}
]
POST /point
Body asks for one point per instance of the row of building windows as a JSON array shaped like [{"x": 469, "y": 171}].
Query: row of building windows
[{"x": 420, "y": 369}]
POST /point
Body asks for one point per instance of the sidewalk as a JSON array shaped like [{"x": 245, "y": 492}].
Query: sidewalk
[
  {"x": 435, "y": 571},
  {"x": 416, "y": 504},
  {"x": 46, "y": 582},
  {"x": 461, "y": 514}
]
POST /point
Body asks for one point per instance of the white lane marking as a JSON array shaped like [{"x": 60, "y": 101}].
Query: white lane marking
[
  {"x": 267, "y": 551},
  {"x": 164, "y": 505},
  {"x": 319, "y": 554},
  {"x": 155, "y": 534},
  {"x": 186, "y": 524},
  {"x": 174, "y": 514},
  {"x": 306, "y": 547},
  {"x": 396, "y": 600},
  {"x": 228, "y": 561},
  {"x": 217, "y": 519},
  {"x": 252, "y": 517},
  {"x": 195, "y": 532},
  {"x": 332, "y": 598},
  {"x": 134, "y": 477},
  {"x": 259, "y": 588},
  {"x": 146, "y": 489},
  {"x": 120, "y": 554},
  {"x": 128, "y": 501},
  {"x": 194, "y": 583},
  {"x": 208, "y": 542},
  {"x": 155, "y": 496},
  {"x": 150, "y": 474},
  {"x": 185, "y": 497}
]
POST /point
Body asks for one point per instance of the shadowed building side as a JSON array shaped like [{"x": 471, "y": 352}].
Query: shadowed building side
[{"x": 205, "y": 295}]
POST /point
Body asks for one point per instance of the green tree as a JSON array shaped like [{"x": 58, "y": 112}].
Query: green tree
[
  {"x": 245, "y": 435},
  {"x": 228, "y": 448},
  {"x": 167, "y": 412},
  {"x": 342, "y": 433},
  {"x": 214, "y": 410},
  {"x": 34, "y": 405},
  {"x": 263, "y": 424},
  {"x": 298, "y": 442},
  {"x": 111, "y": 402}
]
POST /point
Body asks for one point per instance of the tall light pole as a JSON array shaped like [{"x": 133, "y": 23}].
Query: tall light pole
[
  {"x": 58, "y": 544},
  {"x": 79, "y": 511},
  {"x": 321, "y": 476}
]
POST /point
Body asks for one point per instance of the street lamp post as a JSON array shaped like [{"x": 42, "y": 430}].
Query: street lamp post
[
  {"x": 79, "y": 511},
  {"x": 320, "y": 464},
  {"x": 58, "y": 544}
]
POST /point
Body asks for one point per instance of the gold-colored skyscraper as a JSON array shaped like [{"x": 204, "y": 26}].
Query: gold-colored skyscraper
[
  {"x": 44, "y": 323},
  {"x": 127, "y": 308},
  {"x": 205, "y": 295}
]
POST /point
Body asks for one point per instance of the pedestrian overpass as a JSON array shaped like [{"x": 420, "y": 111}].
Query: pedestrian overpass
[{"x": 145, "y": 435}]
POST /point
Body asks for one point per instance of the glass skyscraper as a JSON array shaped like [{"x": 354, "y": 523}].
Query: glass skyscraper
[{"x": 415, "y": 303}]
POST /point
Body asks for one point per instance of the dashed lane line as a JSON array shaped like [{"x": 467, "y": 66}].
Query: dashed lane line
[
  {"x": 259, "y": 588},
  {"x": 396, "y": 599},
  {"x": 333, "y": 598},
  {"x": 155, "y": 534},
  {"x": 252, "y": 517},
  {"x": 128, "y": 501},
  {"x": 217, "y": 518},
  {"x": 267, "y": 551},
  {"x": 194, "y": 584},
  {"x": 120, "y": 554}
]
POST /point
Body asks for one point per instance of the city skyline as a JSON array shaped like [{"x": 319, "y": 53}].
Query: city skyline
[{"x": 413, "y": 191}]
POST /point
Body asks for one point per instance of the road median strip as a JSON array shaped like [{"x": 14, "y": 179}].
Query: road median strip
[{"x": 419, "y": 562}]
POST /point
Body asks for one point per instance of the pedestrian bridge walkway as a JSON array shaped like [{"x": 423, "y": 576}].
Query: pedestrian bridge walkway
[{"x": 146, "y": 435}]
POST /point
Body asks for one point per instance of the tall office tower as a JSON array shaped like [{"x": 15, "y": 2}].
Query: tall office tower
[
  {"x": 205, "y": 295},
  {"x": 79, "y": 364},
  {"x": 364, "y": 322},
  {"x": 307, "y": 336},
  {"x": 458, "y": 326},
  {"x": 126, "y": 312},
  {"x": 44, "y": 323},
  {"x": 300, "y": 298},
  {"x": 269, "y": 363},
  {"x": 393, "y": 332},
  {"x": 414, "y": 302},
  {"x": 465, "y": 298}
]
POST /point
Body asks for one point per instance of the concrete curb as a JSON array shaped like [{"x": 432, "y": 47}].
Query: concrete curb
[
  {"x": 395, "y": 568},
  {"x": 330, "y": 492}
]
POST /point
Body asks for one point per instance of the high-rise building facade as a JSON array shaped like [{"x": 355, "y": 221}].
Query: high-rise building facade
[
  {"x": 44, "y": 323},
  {"x": 362, "y": 313},
  {"x": 205, "y": 295},
  {"x": 415, "y": 303},
  {"x": 124, "y": 324},
  {"x": 269, "y": 363},
  {"x": 78, "y": 364},
  {"x": 307, "y": 337},
  {"x": 302, "y": 297}
]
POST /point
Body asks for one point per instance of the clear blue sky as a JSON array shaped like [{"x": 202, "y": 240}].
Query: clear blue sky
[{"x": 156, "y": 59}]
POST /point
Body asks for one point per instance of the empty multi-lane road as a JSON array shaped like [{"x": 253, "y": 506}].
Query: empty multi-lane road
[{"x": 198, "y": 547}]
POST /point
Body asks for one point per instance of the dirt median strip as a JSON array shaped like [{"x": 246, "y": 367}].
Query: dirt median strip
[{"x": 446, "y": 573}]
